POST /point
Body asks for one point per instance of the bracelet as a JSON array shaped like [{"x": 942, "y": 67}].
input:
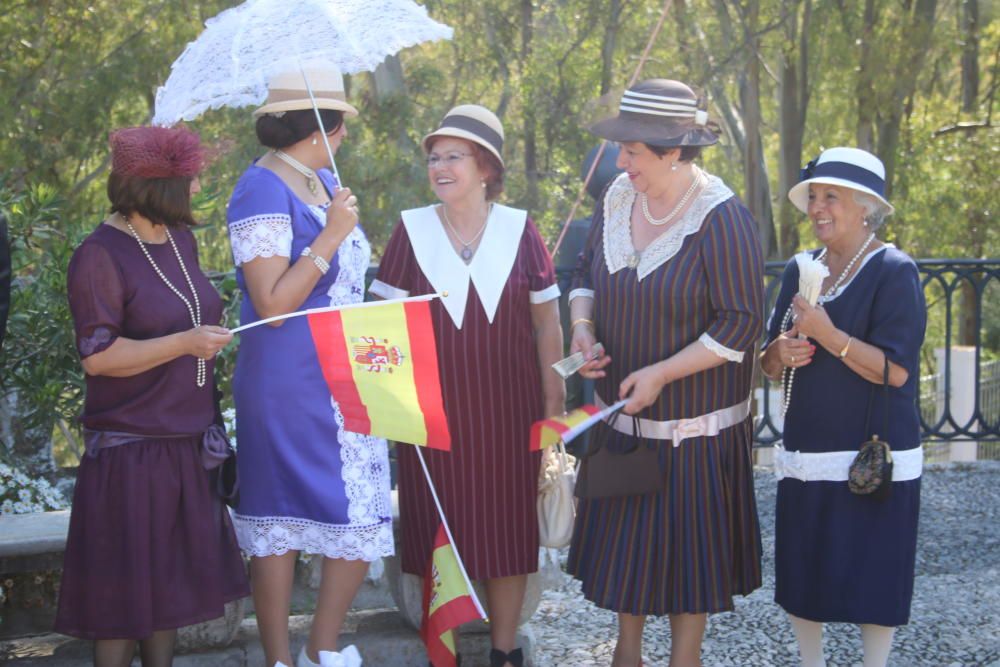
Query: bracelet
[
  {"x": 582, "y": 320},
  {"x": 843, "y": 353},
  {"x": 320, "y": 263}
]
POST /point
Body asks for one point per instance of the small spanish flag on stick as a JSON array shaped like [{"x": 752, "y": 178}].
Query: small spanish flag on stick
[
  {"x": 449, "y": 599},
  {"x": 547, "y": 432}
]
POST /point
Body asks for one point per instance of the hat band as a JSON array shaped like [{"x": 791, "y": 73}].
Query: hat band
[
  {"x": 847, "y": 172},
  {"x": 276, "y": 95},
  {"x": 476, "y": 127}
]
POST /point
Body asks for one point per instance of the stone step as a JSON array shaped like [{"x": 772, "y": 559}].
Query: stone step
[{"x": 382, "y": 636}]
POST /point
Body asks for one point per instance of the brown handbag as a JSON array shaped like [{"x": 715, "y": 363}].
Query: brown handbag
[
  {"x": 606, "y": 474},
  {"x": 870, "y": 473}
]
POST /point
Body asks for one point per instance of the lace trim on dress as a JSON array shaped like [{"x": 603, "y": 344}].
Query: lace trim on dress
[
  {"x": 277, "y": 535},
  {"x": 88, "y": 345},
  {"x": 261, "y": 236},
  {"x": 618, "y": 248},
  {"x": 352, "y": 260},
  {"x": 720, "y": 349}
]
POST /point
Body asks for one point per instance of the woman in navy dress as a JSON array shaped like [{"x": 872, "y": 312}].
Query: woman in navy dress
[
  {"x": 307, "y": 484},
  {"x": 671, "y": 282},
  {"x": 150, "y": 547},
  {"x": 841, "y": 557}
]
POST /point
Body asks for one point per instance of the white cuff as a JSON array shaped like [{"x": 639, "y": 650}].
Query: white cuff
[
  {"x": 379, "y": 288},
  {"x": 547, "y": 294},
  {"x": 720, "y": 349},
  {"x": 580, "y": 291}
]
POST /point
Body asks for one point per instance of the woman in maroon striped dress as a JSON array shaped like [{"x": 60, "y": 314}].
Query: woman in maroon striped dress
[
  {"x": 670, "y": 281},
  {"x": 498, "y": 333}
]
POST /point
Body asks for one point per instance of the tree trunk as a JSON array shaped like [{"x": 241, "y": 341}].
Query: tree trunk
[
  {"x": 530, "y": 123},
  {"x": 864, "y": 89},
  {"x": 969, "y": 28},
  {"x": 794, "y": 100},
  {"x": 614, "y": 13}
]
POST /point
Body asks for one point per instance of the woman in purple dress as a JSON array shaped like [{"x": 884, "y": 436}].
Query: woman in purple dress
[
  {"x": 151, "y": 547},
  {"x": 671, "y": 282},
  {"x": 307, "y": 484}
]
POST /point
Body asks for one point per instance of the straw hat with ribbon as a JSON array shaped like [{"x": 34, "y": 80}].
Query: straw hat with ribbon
[
  {"x": 288, "y": 91},
  {"x": 473, "y": 123}
]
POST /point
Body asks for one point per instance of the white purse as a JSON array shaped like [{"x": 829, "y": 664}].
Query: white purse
[{"x": 556, "y": 504}]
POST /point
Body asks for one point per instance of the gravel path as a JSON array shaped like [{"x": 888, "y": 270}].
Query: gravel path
[{"x": 955, "y": 620}]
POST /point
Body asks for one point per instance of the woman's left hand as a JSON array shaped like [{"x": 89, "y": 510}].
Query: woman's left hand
[
  {"x": 642, "y": 388},
  {"x": 811, "y": 321}
]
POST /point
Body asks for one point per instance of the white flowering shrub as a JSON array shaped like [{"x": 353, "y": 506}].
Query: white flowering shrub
[
  {"x": 229, "y": 419},
  {"x": 19, "y": 494}
]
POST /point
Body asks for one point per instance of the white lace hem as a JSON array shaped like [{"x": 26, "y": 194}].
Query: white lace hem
[
  {"x": 618, "y": 248},
  {"x": 261, "y": 236},
  {"x": 277, "y": 535},
  {"x": 721, "y": 350}
]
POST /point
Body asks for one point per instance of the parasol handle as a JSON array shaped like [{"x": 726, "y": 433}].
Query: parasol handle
[{"x": 322, "y": 129}]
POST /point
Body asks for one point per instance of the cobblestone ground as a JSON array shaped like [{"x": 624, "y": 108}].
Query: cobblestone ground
[{"x": 955, "y": 620}]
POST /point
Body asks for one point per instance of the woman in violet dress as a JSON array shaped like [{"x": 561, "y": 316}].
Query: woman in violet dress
[
  {"x": 151, "y": 547},
  {"x": 306, "y": 483},
  {"x": 497, "y": 334},
  {"x": 841, "y": 557}
]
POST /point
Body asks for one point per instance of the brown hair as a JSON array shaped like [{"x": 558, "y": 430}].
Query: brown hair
[
  {"x": 688, "y": 153},
  {"x": 486, "y": 162},
  {"x": 162, "y": 201}
]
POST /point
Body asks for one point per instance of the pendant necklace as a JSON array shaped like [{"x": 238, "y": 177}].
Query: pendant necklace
[
  {"x": 466, "y": 252},
  {"x": 193, "y": 311},
  {"x": 311, "y": 180}
]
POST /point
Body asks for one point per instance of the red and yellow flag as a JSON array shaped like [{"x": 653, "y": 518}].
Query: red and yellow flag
[
  {"x": 448, "y": 602},
  {"x": 380, "y": 363},
  {"x": 547, "y": 432}
]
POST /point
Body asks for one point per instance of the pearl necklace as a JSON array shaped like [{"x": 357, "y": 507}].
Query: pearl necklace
[
  {"x": 788, "y": 376},
  {"x": 467, "y": 251},
  {"x": 850, "y": 265},
  {"x": 659, "y": 222},
  {"x": 194, "y": 312},
  {"x": 311, "y": 180}
]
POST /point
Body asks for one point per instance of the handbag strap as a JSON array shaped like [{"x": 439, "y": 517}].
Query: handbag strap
[{"x": 871, "y": 398}]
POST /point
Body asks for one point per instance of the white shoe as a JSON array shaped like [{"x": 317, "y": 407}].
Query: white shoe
[
  {"x": 349, "y": 657},
  {"x": 304, "y": 661},
  {"x": 280, "y": 664}
]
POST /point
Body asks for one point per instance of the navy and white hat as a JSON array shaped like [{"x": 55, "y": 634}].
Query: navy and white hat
[
  {"x": 659, "y": 112},
  {"x": 848, "y": 167},
  {"x": 474, "y": 123}
]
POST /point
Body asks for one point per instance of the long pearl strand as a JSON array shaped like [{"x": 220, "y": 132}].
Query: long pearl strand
[
  {"x": 659, "y": 222},
  {"x": 788, "y": 376},
  {"x": 195, "y": 311}
]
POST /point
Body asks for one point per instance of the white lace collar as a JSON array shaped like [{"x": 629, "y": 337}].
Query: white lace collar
[
  {"x": 445, "y": 270},
  {"x": 618, "y": 248}
]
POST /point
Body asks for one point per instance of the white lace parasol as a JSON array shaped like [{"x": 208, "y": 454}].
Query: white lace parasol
[{"x": 230, "y": 62}]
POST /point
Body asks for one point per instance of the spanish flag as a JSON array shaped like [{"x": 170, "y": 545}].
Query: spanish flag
[
  {"x": 547, "y": 432},
  {"x": 448, "y": 602},
  {"x": 380, "y": 363}
]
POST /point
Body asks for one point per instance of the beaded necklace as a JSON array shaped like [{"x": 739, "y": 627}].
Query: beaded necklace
[{"x": 193, "y": 311}]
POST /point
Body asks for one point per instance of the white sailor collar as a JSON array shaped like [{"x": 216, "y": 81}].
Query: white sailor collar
[
  {"x": 618, "y": 246},
  {"x": 490, "y": 266}
]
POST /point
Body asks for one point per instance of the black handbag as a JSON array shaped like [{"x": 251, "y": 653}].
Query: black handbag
[
  {"x": 607, "y": 474},
  {"x": 870, "y": 473}
]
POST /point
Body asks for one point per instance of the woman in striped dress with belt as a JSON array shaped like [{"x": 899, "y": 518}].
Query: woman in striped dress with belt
[{"x": 670, "y": 281}]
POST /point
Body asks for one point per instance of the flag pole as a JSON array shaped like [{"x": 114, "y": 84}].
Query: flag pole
[
  {"x": 447, "y": 531},
  {"x": 327, "y": 309}
]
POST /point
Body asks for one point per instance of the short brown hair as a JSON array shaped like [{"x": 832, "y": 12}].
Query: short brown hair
[
  {"x": 688, "y": 153},
  {"x": 162, "y": 201},
  {"x": 486, "y": 162}
]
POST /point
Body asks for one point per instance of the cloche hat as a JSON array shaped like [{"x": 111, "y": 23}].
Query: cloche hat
[
  {"x": 659, "y": 112},
  {"x": 287, "y": 91},
  {"x": 848, "y": 167},
  {"x": 474, "y": 123}
]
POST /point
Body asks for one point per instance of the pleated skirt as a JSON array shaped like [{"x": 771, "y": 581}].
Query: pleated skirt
[
  {"x": 151, "y": 547},
  {"x": 687, "y": 548}
]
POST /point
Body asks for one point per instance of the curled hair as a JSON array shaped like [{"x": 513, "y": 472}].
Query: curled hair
[
  {"x": 875, "y": 210},
  {"x": 688, "y": 153},
  {"x": 162, "y": 201},
  {"x": 292, "y": 127}
]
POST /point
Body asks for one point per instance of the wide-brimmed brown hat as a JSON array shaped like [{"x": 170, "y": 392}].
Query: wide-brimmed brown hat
[
  {"x": 474, "y": 123},
  {"x": 288, "y": 92},
  {"x": 659, "y": 112}
]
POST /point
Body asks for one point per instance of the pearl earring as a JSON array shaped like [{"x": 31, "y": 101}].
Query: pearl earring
[
  {"x": 673, "y": 167},
  {"x": 866, "y": 222},
  {"x": 315, "y": 141},
  {"x": 482, "y": 183}
]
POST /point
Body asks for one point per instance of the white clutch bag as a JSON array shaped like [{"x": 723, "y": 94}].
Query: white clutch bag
[{"x": 556, "y": 504}]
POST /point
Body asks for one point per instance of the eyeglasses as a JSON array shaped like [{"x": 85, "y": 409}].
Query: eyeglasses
[{"x": 435, "y": 160}]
